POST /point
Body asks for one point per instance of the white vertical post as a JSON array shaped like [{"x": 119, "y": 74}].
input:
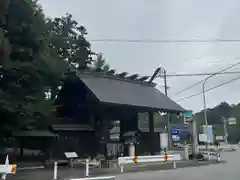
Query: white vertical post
[
  {"x": 186, "y": 151},
  {"x": 174, "y": 164},
  {"x": 131, "y": 149},
  {"x": 121, "y": 168},
  {"x": 87, "y": 168},
  {"x": 218, "y": 158},
  {"x": 209, "y": 156},
  {"x": 55, "y": 171},
  {"x": 4, "y": 176}
]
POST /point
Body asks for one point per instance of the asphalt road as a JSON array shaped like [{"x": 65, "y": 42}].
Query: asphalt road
[{"x": 227, "y": 171}]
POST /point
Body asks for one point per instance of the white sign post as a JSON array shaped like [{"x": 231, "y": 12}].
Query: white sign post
[
  {"x": 70, "y": 156},
  {"x": 202, "y": 138}
]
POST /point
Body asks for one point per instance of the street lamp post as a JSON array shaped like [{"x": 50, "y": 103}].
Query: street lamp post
[
  {"x": 205, "y": 105},
  {"x": 204, "y": 97}
]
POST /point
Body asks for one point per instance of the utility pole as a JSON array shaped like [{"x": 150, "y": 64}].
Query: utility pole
[
  {"x": 165, "y": 81},
  {"x": 225, "y": 130},
  {"x": 195, "y": 138},
  {"x": 161, "y": 72},
  {"x": 164, "y": 74}
]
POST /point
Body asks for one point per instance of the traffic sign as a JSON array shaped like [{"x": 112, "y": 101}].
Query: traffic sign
[{"x": 187, "y": 117}]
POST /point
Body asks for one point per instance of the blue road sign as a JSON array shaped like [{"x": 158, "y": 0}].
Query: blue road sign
[{"x": 175, "y": 131}]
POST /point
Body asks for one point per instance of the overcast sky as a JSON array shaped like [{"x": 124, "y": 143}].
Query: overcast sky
[{"x": 164, "y": 19}]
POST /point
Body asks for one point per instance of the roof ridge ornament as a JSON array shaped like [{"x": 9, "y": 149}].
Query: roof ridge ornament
[{"x": 134, "y": 78}]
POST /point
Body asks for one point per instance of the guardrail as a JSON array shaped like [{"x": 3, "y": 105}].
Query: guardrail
[
  {"x": 147, "y": 159},
  {"x": 227, "y": 148},
  {"x": 7, "y": 169}
]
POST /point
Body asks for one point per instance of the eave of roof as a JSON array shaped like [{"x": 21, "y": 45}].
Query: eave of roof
[
  {"x": 72, "y": 127},
  {"x": 34, "y": 133}
]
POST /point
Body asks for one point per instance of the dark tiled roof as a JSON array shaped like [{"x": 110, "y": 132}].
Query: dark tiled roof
[{"x": 128, "y": 92}]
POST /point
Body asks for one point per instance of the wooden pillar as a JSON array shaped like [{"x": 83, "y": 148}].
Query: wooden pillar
[
  {"x": 128, "y": 122},
  {"x": 151, "y": 132},
  {"x": 122, "y": 139},
  {"x": 21, "y": 142},
  {"x": 121, "y": 129},
  {"x": 105, "y": 134},
  {"x": 98, "y": 133}
]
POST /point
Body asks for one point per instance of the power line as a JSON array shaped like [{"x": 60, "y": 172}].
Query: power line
[
  {"x": 200, "y": 74},
  {"x": 193, "y": 95},
  {"x": 187, "y": 88},
  {"x": 112, "y": 40},
  {"x": 198, "y": 82}
]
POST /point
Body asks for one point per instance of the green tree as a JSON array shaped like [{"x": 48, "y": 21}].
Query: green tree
[
  {"x": 99, "y": 65},
  {"x": 35, "y": 53},
  {"x": 22, "y": 86},
  {"x": 68, "y": 48},
  {"x": 215, "y": 116},
  {"x": 4, "y": 43},
  {"x": 67, "y": 39}
]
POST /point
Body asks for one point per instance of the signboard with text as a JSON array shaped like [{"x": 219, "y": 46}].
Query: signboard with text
[
  {"x": 208, "y": 131},
  {"x": 232, "y": 121}
]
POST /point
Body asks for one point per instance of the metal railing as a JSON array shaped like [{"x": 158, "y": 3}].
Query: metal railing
[{"x": 148, "y": 159}]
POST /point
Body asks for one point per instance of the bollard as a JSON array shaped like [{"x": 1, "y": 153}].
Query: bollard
[
  {"x": 186, "y": 152},
  {"x": 121, "y": 168},
  {"x": 55, "y": 171},
  {"x": 87, "y": 168},
  {"x": 218, "y": 158},
  {"x": 209, "y": 156},
  {"x": 4, "y": 176},
  {"x": 174, "y": 164}
]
